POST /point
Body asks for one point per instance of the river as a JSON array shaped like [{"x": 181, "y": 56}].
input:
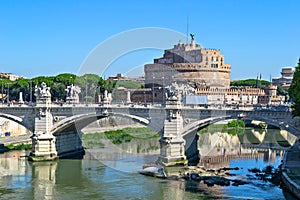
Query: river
[{"x": 110, "y": 172}]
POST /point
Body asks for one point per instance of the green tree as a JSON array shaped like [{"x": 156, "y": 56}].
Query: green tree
[
  {"x": 250, "y": 82},
  {"x": 5, "y": 83},
  {"x": 66, "y": 78},
  {"x": 282, "y": 91},
  {"x": 49, "y": 80},
  {"x": 128, "y": 84},
  {"x": 58, "y": 92},
  {"x": 294, "y": 91},
  {"x": 91, "y": 85}
]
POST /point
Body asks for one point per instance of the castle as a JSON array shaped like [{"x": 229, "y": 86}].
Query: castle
[
  {"x": 203, "y": 69},
  {"x": 190, "y": 63}
]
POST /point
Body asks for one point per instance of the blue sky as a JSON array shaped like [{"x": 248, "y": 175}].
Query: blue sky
[{"x": 55, "y": 36}]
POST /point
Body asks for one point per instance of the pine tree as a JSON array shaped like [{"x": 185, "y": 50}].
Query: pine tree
[{"x": 294, "y": 91}]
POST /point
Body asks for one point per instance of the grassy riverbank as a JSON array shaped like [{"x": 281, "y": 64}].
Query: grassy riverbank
[
  {"x": 233, "y": 127},
  {"x": 18, "y": 147},
  {"x": 117, "y": 136}
]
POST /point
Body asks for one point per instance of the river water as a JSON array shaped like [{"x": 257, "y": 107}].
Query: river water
[{"x": 110, "y": 172}]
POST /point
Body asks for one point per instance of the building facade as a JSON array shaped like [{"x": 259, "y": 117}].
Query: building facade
[
  {"x": 10, "y": 76},
  {"x": 286, "y": 78},
  {"x": 121, "y": 77},
  {"x": 190, "y": 63},
  {"x": 203, "y": 69},
  {"x": 235, "y": 96}
]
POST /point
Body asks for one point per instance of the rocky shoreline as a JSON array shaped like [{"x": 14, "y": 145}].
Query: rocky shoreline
[
  {"x": 211, "y": 177},
  {"x": 221, "y": 177}
]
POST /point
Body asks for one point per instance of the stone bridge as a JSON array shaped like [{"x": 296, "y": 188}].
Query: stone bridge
[{"x": 56, "y": 128}]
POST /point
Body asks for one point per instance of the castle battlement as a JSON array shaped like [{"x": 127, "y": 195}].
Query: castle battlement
[{"x": 192, "y": 63}]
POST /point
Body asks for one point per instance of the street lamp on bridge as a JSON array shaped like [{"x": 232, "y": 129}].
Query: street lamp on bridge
[
  {"x": 30, "y": 95},
  {"x": 2, "y": 90},
  {"x": 153, "y": 90},
  {"x": 8, "y": 84},
  {"x": 163, "y": 90},
  {"x": 85, "y": 90}
]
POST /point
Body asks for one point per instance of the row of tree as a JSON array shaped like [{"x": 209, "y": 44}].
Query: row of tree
[
  {"x": 255, "y": 83},
  {"x": 91, "y": 86}
]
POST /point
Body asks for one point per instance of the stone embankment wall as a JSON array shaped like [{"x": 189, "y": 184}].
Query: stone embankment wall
[
  {"x": 291, "y": 156},
  {"x": 10, "y": 128}
]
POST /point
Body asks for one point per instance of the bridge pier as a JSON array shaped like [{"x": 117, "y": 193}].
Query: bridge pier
[
  {"x": 69, "y": 143},
  {"x": 172, "y": 144},
  {"x": 172, "y": 151},
  {"x": 191, "y": 148},
  {"x": 43, "y": 147},
  {"x": 43, "y": 143}
]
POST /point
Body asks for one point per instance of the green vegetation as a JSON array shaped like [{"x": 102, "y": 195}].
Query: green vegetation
[
  {"x": 117, "y": 136},
  {"x": 129, "y": 84},
  {"x": 92, "y": 140},
  {"x": 233, "y": 127},
  {"x": 281, "y": 91},
  {"x": 142, "y": 132},
  {"x": 214, "y": 128},
  {"x": 94, "y": 84},
  {"x": 294, "y": 91},
  {"x": 254, "y": 83},
  {"x": 19, "y": 147},
  {"x": 250, "y": 82},
  {"x": 236, "y": 123},
  {"x": 262, "y": 125}
]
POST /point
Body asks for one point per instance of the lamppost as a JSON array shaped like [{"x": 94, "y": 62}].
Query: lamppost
[
  {"x": 85, "y": 90},
  {"x": 8, "y": 92},
  {"x": 2, "y": 91},
  {"x": 30, "y": 95},
  {"x": 163, "y": 90},
  {"x": 153, "y": 90}
]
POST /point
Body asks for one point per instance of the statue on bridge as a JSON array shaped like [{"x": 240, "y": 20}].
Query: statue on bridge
[
  {"x": 176, "y": 91},
  {"x": 42, "y": 93},
  {"x": 72, "y": 93}
]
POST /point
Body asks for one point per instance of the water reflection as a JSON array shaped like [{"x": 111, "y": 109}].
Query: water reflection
[
  {"x": 218, "y": 149},
  {"x": 110, "y": 172},
  {"x": 127, "y": 156},
  {"x": 44, "y": 179}
]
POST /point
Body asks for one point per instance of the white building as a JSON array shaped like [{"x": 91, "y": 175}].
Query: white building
[{"x": 286, "y": 78}]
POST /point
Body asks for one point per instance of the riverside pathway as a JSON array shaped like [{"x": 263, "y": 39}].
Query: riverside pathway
[
  {"x": 15, "y": 139},
  {"x": 291, "y": 172}
]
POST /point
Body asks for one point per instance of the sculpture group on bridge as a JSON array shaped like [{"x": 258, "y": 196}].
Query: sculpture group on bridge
[
  {"x": 72, "y": 93},
  {"x": 42, "y": 91},
  {"x": 176, "y": 91}
]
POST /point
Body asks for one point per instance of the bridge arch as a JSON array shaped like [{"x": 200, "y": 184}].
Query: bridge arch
[
  {"x": 81, "y": 120},
  {"x": 68, "y": 131},
  {"x": 16, "y": 119},
  {"x": 199, "y": 124},
  {"x": 189, "y": 132}
]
